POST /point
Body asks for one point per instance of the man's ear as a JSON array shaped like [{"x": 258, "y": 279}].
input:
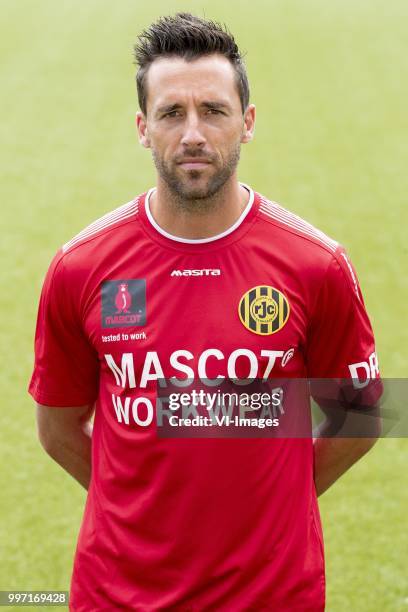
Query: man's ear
[
  {"x": 249, "y": 124},
  {"x": 141, "y": 124}
]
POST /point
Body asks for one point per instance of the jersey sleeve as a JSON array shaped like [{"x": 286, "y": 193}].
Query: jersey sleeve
[
  {"x": 340, "y": 340},
  {"x": 66, "y": 365}
]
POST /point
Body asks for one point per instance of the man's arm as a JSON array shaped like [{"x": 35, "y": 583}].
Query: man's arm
[
  {"x": 340, "y": 336},
  {"x": 347, "y": 433},
  {"x": 334, "y": 456},
  {"x": 65, "y": 434}
]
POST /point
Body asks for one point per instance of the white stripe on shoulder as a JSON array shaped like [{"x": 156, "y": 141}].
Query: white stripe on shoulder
[
  {"x": 277, "y": 212},
  {"x": 119, "y": 214}
]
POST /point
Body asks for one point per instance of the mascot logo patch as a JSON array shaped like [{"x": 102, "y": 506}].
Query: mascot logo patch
[
  {"x": 123, "y": 299},
  {"x": 124, "y": 303},
  {"x": 263, "y": 310}
]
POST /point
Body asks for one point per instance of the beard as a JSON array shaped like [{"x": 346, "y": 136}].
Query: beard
[{"x": 190, "y": 190}]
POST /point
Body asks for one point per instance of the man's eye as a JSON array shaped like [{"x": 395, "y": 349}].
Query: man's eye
[
  {"x": 214, "y": 111},
  {"x": 174, "y": 113}
]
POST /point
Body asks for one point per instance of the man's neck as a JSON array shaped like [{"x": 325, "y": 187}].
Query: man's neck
[{"x": 216, "y": 216}]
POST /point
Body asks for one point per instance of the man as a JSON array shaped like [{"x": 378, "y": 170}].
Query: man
[{"x": 199, "y": 277}]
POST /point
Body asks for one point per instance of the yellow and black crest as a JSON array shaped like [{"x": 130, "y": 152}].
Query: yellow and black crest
[{"x": 263, "y": 310}]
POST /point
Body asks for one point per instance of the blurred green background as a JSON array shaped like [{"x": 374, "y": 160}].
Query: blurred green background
[{"x": 330, "y": 83}]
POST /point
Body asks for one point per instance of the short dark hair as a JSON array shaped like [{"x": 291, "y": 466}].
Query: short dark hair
[{"x": 189, "y": 37}]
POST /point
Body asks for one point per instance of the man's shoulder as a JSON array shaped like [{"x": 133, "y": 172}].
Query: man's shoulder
[
  {"x": 110, "y": 222},
  {"x": 97, "y": 242},
  {"x": 295, "y": 230},
  {"x": 309, "y": 249}
]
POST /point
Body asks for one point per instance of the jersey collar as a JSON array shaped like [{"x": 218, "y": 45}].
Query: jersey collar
[{"x": 230, "y": 234}]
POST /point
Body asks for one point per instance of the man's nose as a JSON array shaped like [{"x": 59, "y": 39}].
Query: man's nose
[{"x": 192, "y": 132}]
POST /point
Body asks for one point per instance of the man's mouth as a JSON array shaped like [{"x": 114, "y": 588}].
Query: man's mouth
[{"x": 194, "y": 164}]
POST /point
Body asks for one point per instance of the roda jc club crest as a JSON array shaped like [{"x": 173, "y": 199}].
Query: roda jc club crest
[{"x": 263, "y": 310}]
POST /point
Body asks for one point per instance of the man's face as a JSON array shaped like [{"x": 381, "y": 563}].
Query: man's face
[{"x": 194, "y": 123}]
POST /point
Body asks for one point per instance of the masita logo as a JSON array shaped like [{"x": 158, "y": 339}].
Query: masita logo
[
  {"x": 263, "y": 310},
  {"x": 123, "y": 303},
  {"x": 204, "y": 272}
]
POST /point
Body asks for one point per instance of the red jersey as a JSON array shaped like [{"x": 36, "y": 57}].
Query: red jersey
[{"x": 226, "y": 524}]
